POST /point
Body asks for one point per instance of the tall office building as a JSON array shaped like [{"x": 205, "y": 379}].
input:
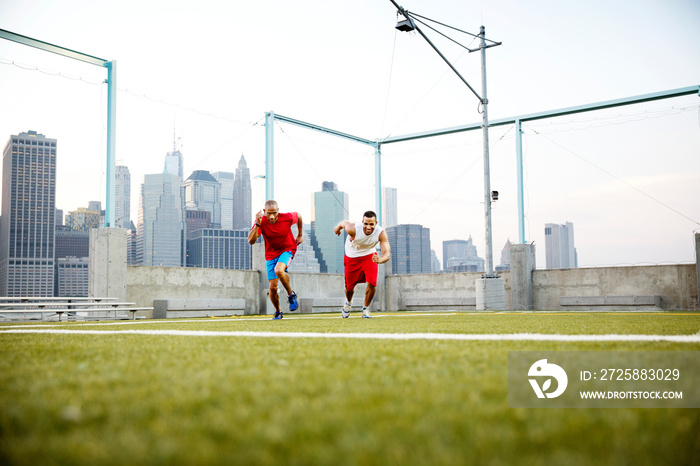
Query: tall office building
[
  {"x": 132, "y": 253},
  {"x": 83, "y": 219},
  {"x": 96, "y": 206},
  {"x": 72, "y": 276},
  {"x": 305, "y": 260},
  {"x": 460, "y": 255},
  {"x": 160, "y": 232},
  {"x": 28, "y": 216},
  {"x": 505, "y": 258},
  {"x": 196, "y": 220},
  {"x": 390, "y": 215},
  {"x": 242, "y": 197},
  {"x": 71, "y": 243},
  {"x": 220, "y": 249},
  {"x": 410, "y": 249},
  {"x": 122, "y": 197},
  {"x": 226, "y": 181},
  {"x": 330, "y": 206},
  {"x": 173, "y": 163},
  {"x": 203, "y": 192},
  {"x": 559, "y": 246},
  {"x": 70, "y": 246},
  {"x": 434, "y": 261}
]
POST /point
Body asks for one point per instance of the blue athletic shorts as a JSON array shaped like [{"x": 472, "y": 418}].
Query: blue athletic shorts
[{"x": 286, "y": 258}]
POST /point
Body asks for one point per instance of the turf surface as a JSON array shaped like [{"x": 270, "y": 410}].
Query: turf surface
[{"x": 167, "y": 399}]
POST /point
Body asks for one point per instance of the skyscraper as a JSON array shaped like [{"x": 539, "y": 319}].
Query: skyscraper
[
  {"x": 122, "y": 197},
  {"x": 460, "y": 255},
  {"x": 330, "y": 206},
  {"x": 505, "y": 258},
  {"x": 305, "y": 260},
  {"x": 220, "y": 249},
  {"x": 390, "y": 208},
  {"x": 83, "y": 219},
  {"x": 72, "y": 276},
  {"x": 559, "y": 246},
  {"x": 203, "y": 192},
  {"x": 28, "y": 216},
  {"x": 242, "y": 197},
  {"x": 410, "y": 249},
  {"x": 173, "y": 163},
  {"x": 161, "y": 227},
  {"x": 226, "y": 181}
]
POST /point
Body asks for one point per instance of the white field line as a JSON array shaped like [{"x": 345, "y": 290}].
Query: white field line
[
  {"x": 373, "y": 336},
  {"x": 289, "y": 317},
  {"x": 201, "y": 320}
]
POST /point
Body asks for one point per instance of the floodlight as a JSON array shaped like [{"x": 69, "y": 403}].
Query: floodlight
[{"x": 406, "y": 25}]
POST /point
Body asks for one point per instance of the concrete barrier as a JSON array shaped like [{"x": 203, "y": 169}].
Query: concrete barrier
[
  {"x": 675, "y": 285},
  {"x": 443, "y": 303},
  {"x": 176, "y": 308},
  {"x": 638, "y": 303}
]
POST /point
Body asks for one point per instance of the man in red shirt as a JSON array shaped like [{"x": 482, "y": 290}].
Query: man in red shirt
[{"x": 280, "y": 247}]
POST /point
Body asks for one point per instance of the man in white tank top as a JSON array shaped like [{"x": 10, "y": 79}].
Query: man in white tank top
[{"x": 361, "y": 259}]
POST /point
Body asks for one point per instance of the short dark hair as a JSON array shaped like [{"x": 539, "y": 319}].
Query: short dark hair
[{"x": 369, "y": 214}]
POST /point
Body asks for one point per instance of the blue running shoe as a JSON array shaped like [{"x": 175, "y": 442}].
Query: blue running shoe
[
  {"x": 366, "y": 314},
  {"x": 278, "y": 315},
  {"x": 293, "y": 303}
]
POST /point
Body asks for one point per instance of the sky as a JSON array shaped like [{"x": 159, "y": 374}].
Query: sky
[{"x": 200, "y": 76}]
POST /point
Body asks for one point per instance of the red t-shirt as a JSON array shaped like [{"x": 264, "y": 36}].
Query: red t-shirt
[{"x": 279, "y": 236}]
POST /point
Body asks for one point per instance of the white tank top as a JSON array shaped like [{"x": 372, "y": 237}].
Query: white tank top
[{"x": 362, "y": 245}]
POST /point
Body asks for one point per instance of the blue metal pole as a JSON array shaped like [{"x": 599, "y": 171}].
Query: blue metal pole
[
  {"x": 378, "y": 181},
  {"x": 269, "y": 155},
  {"x": 521, "y": 196},
  {"x": 111, "y": 141}
]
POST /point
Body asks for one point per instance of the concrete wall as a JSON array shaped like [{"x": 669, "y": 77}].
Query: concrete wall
[
  {"x": 677, "y": 285},
  {"x": 145, "y": 284},
  {"x": 404, "y": 288}
]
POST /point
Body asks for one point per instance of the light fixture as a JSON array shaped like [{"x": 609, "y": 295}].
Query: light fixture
[
  {"x": 494, "y": 195},
  {"x": 406, "y": 25}
]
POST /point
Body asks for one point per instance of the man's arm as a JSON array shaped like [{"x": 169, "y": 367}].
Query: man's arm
[
  {"x": 386, "y": 249},
  {"x": 349, "y": 227},
  {"x": 255, "y": 231},
  {"x": 300, "y": 229}
]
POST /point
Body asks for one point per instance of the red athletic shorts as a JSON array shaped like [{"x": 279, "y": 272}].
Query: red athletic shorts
[{"x": 360, "y": 270}]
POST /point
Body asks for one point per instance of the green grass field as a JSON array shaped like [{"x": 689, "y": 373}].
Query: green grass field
[{"x": 113, "y": 397}]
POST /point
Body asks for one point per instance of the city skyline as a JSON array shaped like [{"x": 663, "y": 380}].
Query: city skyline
[
  {"x": 627, "y": 177},
  {"x": 165, "y": 228}
]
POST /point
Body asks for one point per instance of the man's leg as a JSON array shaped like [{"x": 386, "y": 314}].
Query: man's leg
[
  {"x": 274, "y": 294},
  {"x": 281, "y": 272},
  {"x": 369, "y": 294},
  {"x": 370, "y": 271}
]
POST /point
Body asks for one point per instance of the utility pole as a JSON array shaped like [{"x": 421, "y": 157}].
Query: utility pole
[{"x": 487, "y": 169}]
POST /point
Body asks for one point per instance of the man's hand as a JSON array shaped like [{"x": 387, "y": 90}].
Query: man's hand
[
  {"x": 338, "y": 229},
  {"x": 300, "y": 238}
]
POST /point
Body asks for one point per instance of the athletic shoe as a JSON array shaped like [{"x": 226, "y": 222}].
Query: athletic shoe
[
  {"x": 365, "y": 313},
  {"x": 293, "y": 303},
  {"x": 278, "y": 315},
  {"x": 345, "y": 312}
]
